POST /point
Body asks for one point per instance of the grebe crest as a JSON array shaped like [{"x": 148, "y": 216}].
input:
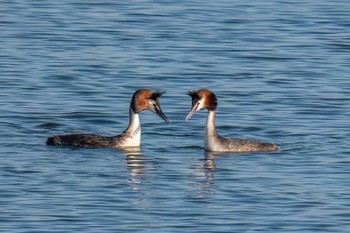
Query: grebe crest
[
  {"x": 206, "y": 99},
  {"x": 142, "y": 99}
]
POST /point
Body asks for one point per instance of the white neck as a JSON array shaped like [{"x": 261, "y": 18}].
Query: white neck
[
  {"x": 210, "y": 135},
  {"x": 134, "y": 129}
]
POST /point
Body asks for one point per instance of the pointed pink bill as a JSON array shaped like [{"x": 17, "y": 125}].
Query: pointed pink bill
[{"x": 193, "y": 110}]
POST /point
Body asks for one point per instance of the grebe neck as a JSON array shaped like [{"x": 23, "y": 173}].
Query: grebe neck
[
  {"x": 210, "y": 129},
  {"x": 134, "y": 126}
]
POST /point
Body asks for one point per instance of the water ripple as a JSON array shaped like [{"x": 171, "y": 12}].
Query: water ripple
[{"x": 279, "y": 70}]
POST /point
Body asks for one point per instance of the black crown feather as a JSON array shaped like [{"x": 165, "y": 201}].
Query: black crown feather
[{"x": 157, "y": 94}]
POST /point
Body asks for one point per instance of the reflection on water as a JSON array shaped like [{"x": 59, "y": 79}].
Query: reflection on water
[
  {"x": 206, "y": 174},
  {"x": 209, "y": 160},
  {"x": 135, "y": 165},
  {"x": 204, "y": 177}
]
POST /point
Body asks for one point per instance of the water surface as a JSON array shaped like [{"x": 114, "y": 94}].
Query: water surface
[{"x": 280, "y": 70}]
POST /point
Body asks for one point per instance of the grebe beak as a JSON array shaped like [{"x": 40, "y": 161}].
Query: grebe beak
[
  {"x": 155, "y": 108},
  {"x": 194, "y": 109},
  {"x": 160, "y": 113}
]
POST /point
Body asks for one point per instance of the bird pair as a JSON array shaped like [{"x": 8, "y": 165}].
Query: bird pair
[{"x": 144, "y": 99}]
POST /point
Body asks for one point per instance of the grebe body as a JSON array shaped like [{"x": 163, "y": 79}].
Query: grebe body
[
  {"x": 205, "y": 99},
  {"x": 142, "y": 99}
]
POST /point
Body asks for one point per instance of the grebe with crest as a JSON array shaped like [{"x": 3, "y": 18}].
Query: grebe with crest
[
  {"x": 142, "y": 99},
  {"x": 205, "y": 99}
]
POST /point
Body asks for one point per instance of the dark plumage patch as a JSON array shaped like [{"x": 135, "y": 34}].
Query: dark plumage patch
[
  {"x": 195, "y": 97},
  {"x": 80, "y": 140},
  {"x": 156, "y": 95}
]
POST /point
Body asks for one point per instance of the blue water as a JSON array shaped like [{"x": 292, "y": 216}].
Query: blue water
[{"x": 280, "y": 70}]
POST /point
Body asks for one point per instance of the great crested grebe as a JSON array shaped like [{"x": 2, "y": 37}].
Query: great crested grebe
[
  {"x": 142, "y": 99},
  {"x": 204, "y": 98}
]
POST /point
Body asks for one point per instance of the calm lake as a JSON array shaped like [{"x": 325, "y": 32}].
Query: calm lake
[{"x": 280, "y": 70}]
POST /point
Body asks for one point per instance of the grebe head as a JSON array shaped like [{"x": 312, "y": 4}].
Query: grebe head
[
  {"x": 144, "y": 99},
  {"x": 201, "y": 99}
]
